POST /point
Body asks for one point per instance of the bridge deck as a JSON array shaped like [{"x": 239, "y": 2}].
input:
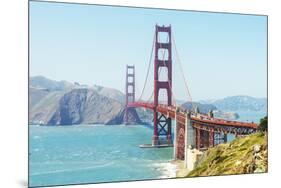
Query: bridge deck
[{"x": 170, "y": 111}]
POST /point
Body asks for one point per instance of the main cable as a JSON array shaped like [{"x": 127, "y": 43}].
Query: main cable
[
  {"x": 147, "y": 72},
  {"x": 181, "y": 69}
]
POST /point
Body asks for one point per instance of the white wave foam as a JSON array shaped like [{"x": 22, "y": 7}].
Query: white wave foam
[
  {"x": 167, "y": 169},
  {"x": 37, "y": 137}
]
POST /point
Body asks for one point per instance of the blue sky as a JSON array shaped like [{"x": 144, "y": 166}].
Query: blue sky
[{"x": 221, "y": 54}]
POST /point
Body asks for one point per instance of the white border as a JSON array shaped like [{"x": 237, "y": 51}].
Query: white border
[{"x": 13, "y": 100}]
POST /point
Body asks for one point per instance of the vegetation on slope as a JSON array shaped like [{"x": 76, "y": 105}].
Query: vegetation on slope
[
  {"x": 263, "y": 124},
  {"x": 243, "y": 155}
]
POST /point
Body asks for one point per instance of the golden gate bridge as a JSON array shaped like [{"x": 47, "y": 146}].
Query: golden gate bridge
[{"x": 192, "y": 128}]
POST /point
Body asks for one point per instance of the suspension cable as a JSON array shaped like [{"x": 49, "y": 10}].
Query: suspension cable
[
  {"x": 148, "y": 68},
  {"x": 181, "y": 69},
  {"x": 163, "y": 55}
]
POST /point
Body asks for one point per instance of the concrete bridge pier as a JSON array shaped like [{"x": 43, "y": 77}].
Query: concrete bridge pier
[
  {"x": 175, "y": 134},
  {"x": 190, "y": 131},
  {"x": 185, "y": 142},
  {"x": 191, "y": 153}
]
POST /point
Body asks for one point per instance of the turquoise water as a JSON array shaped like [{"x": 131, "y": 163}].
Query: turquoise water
[{"x": 92, "y": 154}]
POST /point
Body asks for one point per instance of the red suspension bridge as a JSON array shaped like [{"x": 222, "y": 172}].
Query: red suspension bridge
[{"x": 192, "y": 128}]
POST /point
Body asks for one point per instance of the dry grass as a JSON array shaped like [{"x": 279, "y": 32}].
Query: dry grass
[{"x": 233, "y": 158}]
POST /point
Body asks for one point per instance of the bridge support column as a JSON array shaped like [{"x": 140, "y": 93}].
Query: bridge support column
[
  {"x": 180, "y": 149},
  {"x": 187, "y": 121},
  {"x": 129, "y": 91},
  {"x": 169, "y": 134},
  {"x": 155, "y": 138},
  {"x": 162, "y": 124},
  {"x": 192, "y": 154},
  {"x": 190, "y": 131},
  {"x": 189, "y": 138},
  {"x": 184, "y": 138},
  {"x": 224, "y": 137},
  {"x": 198, "y": 139},
  {"x": 162, "y": 130},
  {"x": 211, "y": 138},
  {"x": 175, "y": 134}
]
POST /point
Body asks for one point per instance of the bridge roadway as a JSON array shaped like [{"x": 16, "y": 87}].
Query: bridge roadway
[{"x": 200, "y": 121}]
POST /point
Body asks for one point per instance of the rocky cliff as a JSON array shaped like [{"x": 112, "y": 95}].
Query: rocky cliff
[
  {"x": 85, "y": 106},
  {"x": 43, "y": 106},
  {"x": 62, "y": 103}
]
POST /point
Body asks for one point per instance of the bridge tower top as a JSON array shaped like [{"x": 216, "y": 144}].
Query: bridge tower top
[
  {"x": 130, "y": 84},
  {"x": 130, "y": 89}
]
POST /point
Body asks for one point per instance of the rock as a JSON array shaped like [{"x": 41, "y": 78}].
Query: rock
[
  {"x": 43, "y": 108},
  {"x": 85, "y": 106},
  {"x": 62, "y": 103},
  {"x": 259, "y": 170},
  {"x": 257, "y": 148}
]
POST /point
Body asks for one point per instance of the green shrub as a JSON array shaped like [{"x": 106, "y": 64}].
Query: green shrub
[{"x": 263, "y": 124}]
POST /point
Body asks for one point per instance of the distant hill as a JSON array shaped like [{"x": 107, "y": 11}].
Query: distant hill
[
  {"x": 63, "y": 103},
  {"x": 45, "y": 83},
  {"x": 239, "y": 103},
  {"x": 203, "y": 108}
]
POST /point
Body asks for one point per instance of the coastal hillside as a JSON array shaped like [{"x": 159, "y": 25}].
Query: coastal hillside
[
  {"x": 63, "y": 103},
  {"x": 243, "y": 155},
  {"x": 205, "y": 108},
  {"x": 85, "y": 106},
  {"x": 75, "y": 107},
  {"x": 239, "y": 103},
  {"x": 42, "y": 82}
]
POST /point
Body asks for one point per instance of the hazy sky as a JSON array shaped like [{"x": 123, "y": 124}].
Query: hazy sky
[{"x": 221, "y": 54}]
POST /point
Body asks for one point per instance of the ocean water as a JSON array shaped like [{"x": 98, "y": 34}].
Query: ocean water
[
  {"x": 92, "y": 154},
  {"x": 97, "y": 153}
]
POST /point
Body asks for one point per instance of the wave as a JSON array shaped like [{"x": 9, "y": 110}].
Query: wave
[{"x": 167, "y": 169}]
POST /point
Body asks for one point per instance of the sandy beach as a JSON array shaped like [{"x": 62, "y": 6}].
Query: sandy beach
[
  {"x": 172, "y": 169},
  {"x": 181, "y": 171}
]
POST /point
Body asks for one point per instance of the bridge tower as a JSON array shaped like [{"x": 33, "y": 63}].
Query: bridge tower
[
  {"x": 162, "y": 124},
  {"x": 130, "y": 90}
]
